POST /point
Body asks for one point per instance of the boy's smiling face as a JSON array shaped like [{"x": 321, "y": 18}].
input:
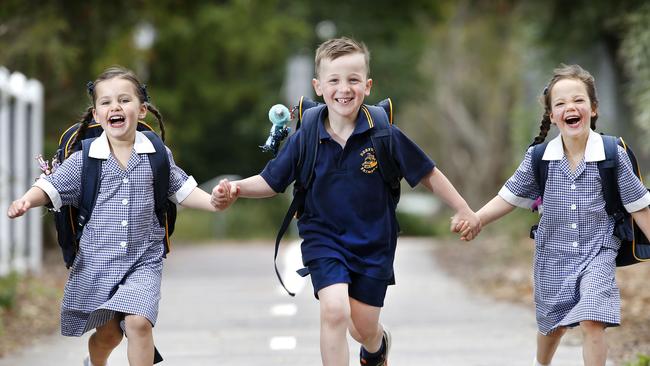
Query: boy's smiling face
[
  {"x": 117, "y": 108},
  {"x": 343, "y": 83}
]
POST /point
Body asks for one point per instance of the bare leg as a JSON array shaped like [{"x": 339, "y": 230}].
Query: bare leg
[
  {"x": 547, "y": 345},
  {"x": 334, "y": 321},
  {"x": 594, "y": 348},
  {"x": 104, "y": 341},
  {"x": 140, "y": 336},
  {"x": 365, "y": 327}
]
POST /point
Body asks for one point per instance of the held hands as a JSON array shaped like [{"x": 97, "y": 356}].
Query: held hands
[
  {"x": 467, "y": 223},
  {"x": 18, "y": 208},
  {"x": 224, "y": 194}
]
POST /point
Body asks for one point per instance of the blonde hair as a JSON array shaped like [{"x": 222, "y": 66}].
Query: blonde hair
[{"x": 337, "y": 47}]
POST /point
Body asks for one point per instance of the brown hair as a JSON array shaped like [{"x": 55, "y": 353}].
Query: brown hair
[
  {"x": 574, "y": 72},
  {"x": 337, "y": 47},
  {"x": 141, "y": 92}
]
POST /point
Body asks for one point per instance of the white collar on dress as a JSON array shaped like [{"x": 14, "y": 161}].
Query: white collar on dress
[
  {"x": 594, "y": 151},
  {"x": 100, "y": 149}
]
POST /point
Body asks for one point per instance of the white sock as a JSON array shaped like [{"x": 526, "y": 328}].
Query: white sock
[{"x": 537, "y": 363}]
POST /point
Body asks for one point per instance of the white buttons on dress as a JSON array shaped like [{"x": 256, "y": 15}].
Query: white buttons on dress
[
  {"x": 574, "y": 244},
  {"x": 123, "y": 244},
  {"x": 125, "y": 180},
  {"x": 125, "y": 201},
  {"x": 574, "y": 225},
  {"x": 573, "y": 186},
  {"x": 573, "y": 207},
  {"x": 124, "y": 222}
]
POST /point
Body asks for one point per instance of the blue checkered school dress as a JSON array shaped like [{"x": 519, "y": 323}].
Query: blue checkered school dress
[
  {"x": 118, "y": 267},
  {"x": 575, "y": 250}
]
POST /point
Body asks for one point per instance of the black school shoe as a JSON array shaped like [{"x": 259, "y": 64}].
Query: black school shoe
[{"x": 382, "y": 358}]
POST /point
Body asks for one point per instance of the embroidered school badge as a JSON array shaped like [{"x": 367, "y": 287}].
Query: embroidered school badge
[{"x": 369, "y": 164}]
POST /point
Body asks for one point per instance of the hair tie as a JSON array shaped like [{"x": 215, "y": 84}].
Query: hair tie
[
  {"x": 90, "y": 86},
  {"x": 145, "y": 95},
  {"x": 545, "y": 90}
]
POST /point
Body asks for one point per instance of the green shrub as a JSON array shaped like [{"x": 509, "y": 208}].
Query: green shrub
[
  {"x": 246, "y": 219},
  {"x": 8, "y": 290},
  {"x": 642, "y": 360}
]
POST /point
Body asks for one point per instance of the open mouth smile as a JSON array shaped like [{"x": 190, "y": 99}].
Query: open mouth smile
[
  {"x": 572, "y": 120},
  {"x": 116, "y": 121},
  {"x": 343, "y": 100}
]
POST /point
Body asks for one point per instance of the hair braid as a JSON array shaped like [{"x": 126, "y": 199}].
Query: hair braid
[
  {"x": 159, "y": 117},
  {"x": 84, "y": 122},
  {"x": 544, "y": 127}
]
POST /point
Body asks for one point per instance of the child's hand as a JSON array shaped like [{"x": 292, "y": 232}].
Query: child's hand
[
  {"x": 467, "y": 223},
  {"x": 18, "y": 208},
  {"x": 224, "y": 194},
  {"x": 457, "y": 225}
]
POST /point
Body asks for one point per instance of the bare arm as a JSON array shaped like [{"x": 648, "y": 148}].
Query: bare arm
[
  {"x": 226, "y": 193},
  {"x": 34, "y": 197},
  {"x": 438, "y": 183},
  {"x": 493, "y": 210},
  {"x": 198, "y": 199},
  {"x": 642, "y": 219},
  {"x": 254, "y": 187}
]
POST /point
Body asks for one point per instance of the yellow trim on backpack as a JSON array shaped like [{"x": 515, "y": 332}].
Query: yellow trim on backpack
[
  {"x": 66, "y": 152},
  {"x": 300, "y": 109},
  {"x": 390, "y": 115},
  {"x": 365, "y": 110}
]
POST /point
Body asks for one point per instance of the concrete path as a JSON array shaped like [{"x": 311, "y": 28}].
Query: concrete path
[{"x": 221, "y": 305}]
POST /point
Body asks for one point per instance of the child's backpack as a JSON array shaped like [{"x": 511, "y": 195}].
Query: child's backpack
[
  {"x": 70, "y": 220},
  {"x": 380, "y": 117},
  {"x": 635, "y": 247}
]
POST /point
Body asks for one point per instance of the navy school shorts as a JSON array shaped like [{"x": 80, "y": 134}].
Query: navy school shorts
[{"x": 329, "y": 271}]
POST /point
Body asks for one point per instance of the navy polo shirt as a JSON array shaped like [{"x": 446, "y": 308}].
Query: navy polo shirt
[{"x": 349, "y": 212}]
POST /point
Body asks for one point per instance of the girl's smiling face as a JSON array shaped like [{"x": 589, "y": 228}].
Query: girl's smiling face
[
  {"x": 117, "y": 108},
  {"x": 571, "y": 108}
]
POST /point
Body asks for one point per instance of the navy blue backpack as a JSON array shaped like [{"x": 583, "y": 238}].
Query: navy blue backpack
[
  {"x": 310, "y": 112},
  {"x": 70, "y": 220},
  {"x": 635, "y": 247}
]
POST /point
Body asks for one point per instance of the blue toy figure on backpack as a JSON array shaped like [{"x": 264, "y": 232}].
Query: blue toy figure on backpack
[
  {"x": 575, "y": 243},
  {"x": 279, "y": 116},
  {"x": 346, "y": 160},
  {"x": 112, "y": 183}
]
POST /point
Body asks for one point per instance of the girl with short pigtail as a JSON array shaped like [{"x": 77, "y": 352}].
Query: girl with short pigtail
[
  {"x": 84, "y": 122},
  {"x": 575, "y": 247},
  {"x": 116, "y": 272},
  {"x": 544, "y": 127},
  {"x": 159, "y": 117}
]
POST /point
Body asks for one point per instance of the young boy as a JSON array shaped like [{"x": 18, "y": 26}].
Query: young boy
[{"x": 348, "y": 226}]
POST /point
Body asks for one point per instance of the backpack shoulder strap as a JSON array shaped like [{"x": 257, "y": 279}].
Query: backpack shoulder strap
[
  {"x": 160, "y": 167},
  {"x": 540, "y": 166},
  {"x": 607, "y": 170},
  {"x": 630, "y": 154},
  {"x": 381, "y": 136},
  {"x": 159, "y": 162},
  {"x": 308, "y": 144},
  {"x": 308, "y": 119},
  {"x": 90, "y": 178}
]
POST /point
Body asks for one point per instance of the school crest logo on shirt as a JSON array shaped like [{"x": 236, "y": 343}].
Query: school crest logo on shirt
[{"x": 369, "y": 164}]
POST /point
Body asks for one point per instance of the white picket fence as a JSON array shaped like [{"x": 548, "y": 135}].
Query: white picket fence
[{"x": 21, "y": 139}]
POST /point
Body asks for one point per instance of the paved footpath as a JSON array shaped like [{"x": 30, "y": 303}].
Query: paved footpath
[{"x": 221, "y": 305}]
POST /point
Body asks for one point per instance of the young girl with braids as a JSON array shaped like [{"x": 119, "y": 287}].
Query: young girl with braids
[
  {"x": 117, "y": 271},
  {"x": 575, "y": 249}
]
